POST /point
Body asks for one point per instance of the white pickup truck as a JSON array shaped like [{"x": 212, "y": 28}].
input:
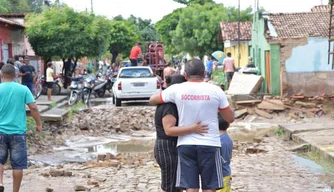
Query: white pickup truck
[{"x": 134, "y": 83}]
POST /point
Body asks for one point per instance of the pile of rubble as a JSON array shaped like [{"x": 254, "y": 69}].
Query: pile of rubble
[
  {"x": 112, "y": 120},
  {"x": 297, "y": 106}
]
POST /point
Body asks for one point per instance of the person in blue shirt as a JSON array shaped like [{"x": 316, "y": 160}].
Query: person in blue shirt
[
  {"x": 13, "y": 125},
  {"x": 208, "y": 68},
  {"x": 226, "y": 152}
]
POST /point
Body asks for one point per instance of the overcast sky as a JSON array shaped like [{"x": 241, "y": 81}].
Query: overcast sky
[{"x": 156, "y": 9}]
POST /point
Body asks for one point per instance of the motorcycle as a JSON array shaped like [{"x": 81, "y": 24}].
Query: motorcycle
[
  {"x": 99, "y": 85},
  {"x": 79, "y": 90}
]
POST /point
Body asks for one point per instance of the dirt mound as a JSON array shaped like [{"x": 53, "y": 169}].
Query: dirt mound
[{"x": 112, "y": 120}]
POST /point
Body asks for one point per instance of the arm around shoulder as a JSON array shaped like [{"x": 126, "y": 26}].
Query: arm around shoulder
[
  {"x": 156, "y": 99},
  {"x": 171, "y": 129}
]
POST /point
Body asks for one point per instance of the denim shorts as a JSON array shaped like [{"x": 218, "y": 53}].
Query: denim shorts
[{"x": 16, "y": 146}]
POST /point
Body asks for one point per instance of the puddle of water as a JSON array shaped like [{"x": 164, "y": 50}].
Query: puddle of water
[
  {"x": 309, "y": 164},
  {"x": 98, "y": 103},
  {"x": 81, "y": 149}
]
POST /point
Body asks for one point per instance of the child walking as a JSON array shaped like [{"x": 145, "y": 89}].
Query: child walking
[{"x": 226, "y": 152}]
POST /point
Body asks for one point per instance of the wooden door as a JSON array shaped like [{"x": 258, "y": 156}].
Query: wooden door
[{"x": 268, "y": 75}]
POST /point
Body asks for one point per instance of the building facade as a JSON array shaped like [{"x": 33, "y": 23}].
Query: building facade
[
  {"x": 291, "y": 51},
  {"x": 239, "y": 48}
]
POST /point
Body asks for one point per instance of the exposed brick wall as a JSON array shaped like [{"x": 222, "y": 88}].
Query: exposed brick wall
[{"x": 309, "y": 83}]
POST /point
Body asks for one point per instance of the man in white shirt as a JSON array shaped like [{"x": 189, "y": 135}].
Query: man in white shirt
[{"x": 198, "y": 101}]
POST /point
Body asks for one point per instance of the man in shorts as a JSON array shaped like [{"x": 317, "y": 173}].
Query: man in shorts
[
  {"x": 13, "y": 100},
  {"x": 229, "y": 68},
  {"x": 198, "y": 155}
]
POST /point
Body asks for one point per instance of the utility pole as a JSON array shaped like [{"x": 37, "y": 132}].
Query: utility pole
[
  {"x": 91, "y": 5},
  {"x": 239, "y": 34}
]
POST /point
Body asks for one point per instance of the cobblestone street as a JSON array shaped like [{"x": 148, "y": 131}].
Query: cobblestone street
[{"x": 271, "y": 171}]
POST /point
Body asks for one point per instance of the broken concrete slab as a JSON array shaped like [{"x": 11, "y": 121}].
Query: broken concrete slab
[
  {"x": 243, "y": 97},
  {"x": 244, "y": 84},
  {"x": 250, "y": 118},
  {"x": 43, "y": 100},
  {"x": 248, "y": 101},
  {"x": 321, "y": 141},
  {"x": 54, "y": 114},
  {"x": 273, "y": 104},
  {"x": 307, "y": 105},
  {"x": 41, "y": 108},
  {"x": 263, "y": 113},
  {"x": 301, "y": 147},
  {"x": 240, "y": 113},
  {"x": 306, "y": 127}
]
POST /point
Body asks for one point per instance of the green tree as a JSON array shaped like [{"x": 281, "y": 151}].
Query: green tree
[
  {"x": 245, "y": 15},
  {"x": 21, "y": 6},
  {"x": 164, "y": 28},
  {"x": 4, "y": 6},
  {"x": 62, "y": 32},
  {"x": 191, "y": 2},
  {"x": 144, "y": 28},
  {"x": 122, "y": 38},
  {"x": 197, "y": 30}
]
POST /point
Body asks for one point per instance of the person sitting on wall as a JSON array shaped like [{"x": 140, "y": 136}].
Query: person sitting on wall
[{"x": 250, "y": 63}]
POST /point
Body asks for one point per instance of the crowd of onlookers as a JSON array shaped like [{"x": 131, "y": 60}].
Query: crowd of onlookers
[{"x": 25, "y": 73}]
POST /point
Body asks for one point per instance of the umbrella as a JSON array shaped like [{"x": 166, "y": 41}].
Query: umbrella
[{"x": 219, "y": 55}]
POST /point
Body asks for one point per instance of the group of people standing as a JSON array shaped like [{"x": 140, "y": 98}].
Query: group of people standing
[
  {"x": 25, "y": 73},
  {"x": 228, "y": 67},
  {"x": 191, "y": 119}
]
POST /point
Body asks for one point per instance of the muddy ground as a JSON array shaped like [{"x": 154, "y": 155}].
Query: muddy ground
[
  {"x": 112, "y": 150},
  {"x": 263, "y": 163}
]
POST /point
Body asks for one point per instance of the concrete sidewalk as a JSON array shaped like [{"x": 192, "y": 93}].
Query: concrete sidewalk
[{"x": 319, "y": 135}]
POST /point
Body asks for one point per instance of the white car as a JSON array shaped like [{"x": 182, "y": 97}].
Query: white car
[{"x": 135, "y": 83}]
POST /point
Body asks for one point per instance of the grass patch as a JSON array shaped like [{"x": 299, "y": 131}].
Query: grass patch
[
  {"x": 53, "y": 104},
  {"x": 74, "y": 109},
  {"x": 327, "y": 165},
  {"x": 279, "y": 132},
  {"x": 318, "y": 158}
]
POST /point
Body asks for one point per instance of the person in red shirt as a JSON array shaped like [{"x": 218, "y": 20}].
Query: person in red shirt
[{"x": 135, "y": 52}]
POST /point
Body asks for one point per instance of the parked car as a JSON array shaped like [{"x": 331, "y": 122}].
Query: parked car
[{"x": 134, "y": 83}]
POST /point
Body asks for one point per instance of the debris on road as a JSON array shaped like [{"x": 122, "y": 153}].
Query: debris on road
[{"x": 296, "y": 106}]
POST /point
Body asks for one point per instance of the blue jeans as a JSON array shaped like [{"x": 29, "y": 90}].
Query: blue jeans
[
  {"x": 16, "y": 146},
  {"x": 30, "y": 85}
]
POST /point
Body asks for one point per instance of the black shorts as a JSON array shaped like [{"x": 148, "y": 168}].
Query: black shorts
[
  {"x": 134, "y": 62},
  {"x": 49, "y": 85},
  {"x": 199, "y": 160},
  {"x": 229, "y": 76},
  {"x": 165, "y": 154}
]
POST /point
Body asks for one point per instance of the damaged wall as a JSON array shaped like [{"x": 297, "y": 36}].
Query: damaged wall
[{"x": 304, "y": 67}]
